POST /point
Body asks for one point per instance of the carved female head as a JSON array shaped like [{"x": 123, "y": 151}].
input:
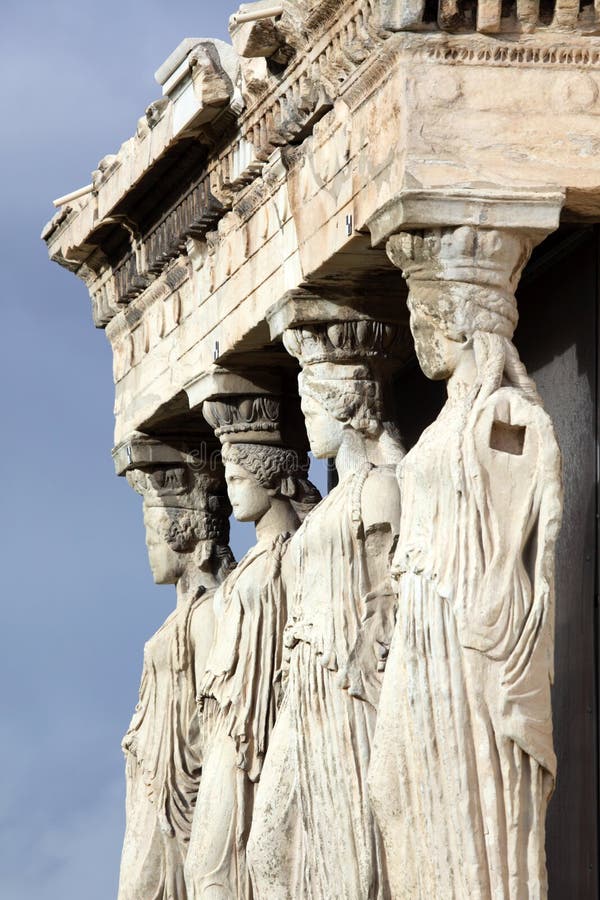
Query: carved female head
[
  {"x": 257, "y": 474},
  {"x": 437, "y": 353},
  {"x": 186, "y": 519},
  {"x": 342, "y": 382},
  {"x": 444, "y": 321},
  {"x": 325, "y": 432},
  {"x": 259, "y": 469},
  {"x": 462, "y": 282},
  {"x": 336, "y": 397}
]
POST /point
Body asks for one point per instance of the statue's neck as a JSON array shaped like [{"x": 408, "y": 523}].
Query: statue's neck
[
  {"x": 356, "y": 451},
  {"x": 464, "y": 376},
  {"x": 192, "y": 583},
  {"x": 280, "y": 518}
]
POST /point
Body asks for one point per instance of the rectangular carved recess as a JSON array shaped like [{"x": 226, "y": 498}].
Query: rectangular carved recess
[
  {"x": 507, "y": 438},
  {"x": 492, "y": 16},
  {"x": 171, "y": 204}
]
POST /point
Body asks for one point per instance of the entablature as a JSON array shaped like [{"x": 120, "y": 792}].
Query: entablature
[{"x": 191, "y": 257}]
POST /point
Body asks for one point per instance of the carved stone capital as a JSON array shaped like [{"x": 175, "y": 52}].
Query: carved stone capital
[
  {"x": 462, "y": 252},
  {"x": 347, "y": 342},
  {"x": 533, "y": 210},
  {"x": 349, "y": 302},
  {"x": 254, "y": 419},
  {"x": 472, "y": 270},
  {"x": 254, "y": 406},
  {"x": 475, "y": 255},
  {"x": 173, "y": 474}
]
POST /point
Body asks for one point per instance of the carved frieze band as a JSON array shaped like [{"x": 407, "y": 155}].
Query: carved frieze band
[
  {"x": 494, "y": 53},
  {"x": 313, "y": 80},
  {"x": 199, "y": 209}
]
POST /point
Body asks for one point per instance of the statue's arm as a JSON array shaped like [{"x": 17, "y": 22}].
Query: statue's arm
[
  {"x": 511, "y": 463},
  {"x": 202, "y": 628},
  {"x": 380, "y": 513},
  {"x": 288, "y": 571}
]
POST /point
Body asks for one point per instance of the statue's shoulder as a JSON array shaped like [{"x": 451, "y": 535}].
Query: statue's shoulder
[
  {"x": 380, "y": 498},
  {"x": 511, "y": 407},
  {"x": 202, "y": 613},
  {"x": 516, "y": 431},
  {"x": 508, "y": 399}
]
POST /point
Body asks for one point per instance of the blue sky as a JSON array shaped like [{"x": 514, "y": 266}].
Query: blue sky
[{"x": 78, "y": 598}]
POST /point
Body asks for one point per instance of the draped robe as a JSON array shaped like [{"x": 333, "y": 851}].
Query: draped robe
[
  {"x": 463, "y": 764},
  {"x": 238, "y": 696},
  {"x": 163, "y": 762},
  {"x": 313, "y": 834}
]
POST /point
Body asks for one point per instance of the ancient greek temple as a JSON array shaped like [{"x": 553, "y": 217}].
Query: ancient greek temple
[{"x": 367, "y": 229}]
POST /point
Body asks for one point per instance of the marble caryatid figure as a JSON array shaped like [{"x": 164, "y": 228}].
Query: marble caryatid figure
[
  {"x": 267, "y": 485},
  {"x": 313, "y": 834},
  {"x": 463, "y": 763},
  {"x": 186, "y": 514}
]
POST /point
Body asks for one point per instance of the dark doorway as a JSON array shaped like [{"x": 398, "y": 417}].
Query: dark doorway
[{"x": 557, "y": 338}]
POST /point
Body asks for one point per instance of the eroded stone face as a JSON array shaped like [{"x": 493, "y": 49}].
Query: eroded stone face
[
  {"x": 324, "y": 432},
  {"x": 166, "y": 563},
  {"x": 437, "y": 354}
]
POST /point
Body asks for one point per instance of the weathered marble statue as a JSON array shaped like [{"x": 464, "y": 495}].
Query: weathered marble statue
[
  {"x": 240, "y": 690},
  {"x": 313, "y": 834},
  {"x": 463, "y": 764},
  {"x": 187, "y": 531}
]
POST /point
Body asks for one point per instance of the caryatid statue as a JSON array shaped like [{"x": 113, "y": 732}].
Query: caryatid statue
[
  {"x": 186, "y": 514},
  {"x": 267, "y": 484},
  {"x": 463, "y": 763},
  {"x": 313, "y": 834}
]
